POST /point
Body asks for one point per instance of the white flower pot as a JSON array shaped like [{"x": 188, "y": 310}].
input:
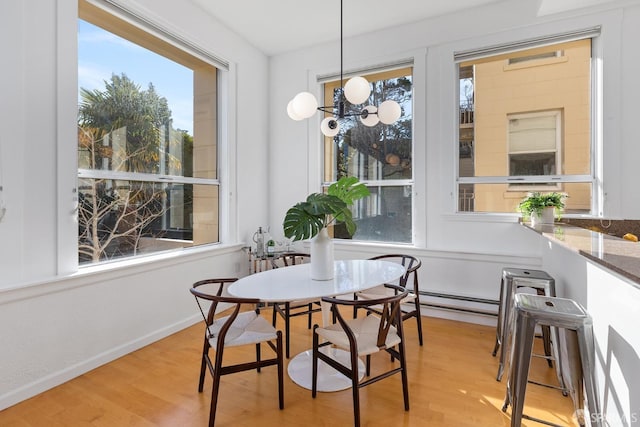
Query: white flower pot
[
  {"x": 547, "y": 217},
  {"x": 322, "y": 264}
]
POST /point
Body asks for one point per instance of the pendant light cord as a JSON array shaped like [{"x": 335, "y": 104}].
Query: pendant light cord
[{"x": 341, "y": 51}]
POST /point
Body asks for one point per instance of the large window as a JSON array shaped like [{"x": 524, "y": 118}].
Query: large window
[
  {"x": 525, "y": 124},
  {"x": 380, "y": 156},
  {"x": 147, "y": 141}
]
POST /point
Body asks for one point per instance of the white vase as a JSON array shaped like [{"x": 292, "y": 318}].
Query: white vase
[
  {"x": 547, "y": 216},
  {"x": 322, "y": 256}
]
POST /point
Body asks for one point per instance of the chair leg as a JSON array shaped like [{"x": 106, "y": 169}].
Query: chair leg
[
  {"x": 314, "y": 365},
  {"x": 403, "y": 374},
  {"x": 419, "y": 320},
  {"x": 310, "y": 315},
  {"x": 203, "y": 366},
  {"x": 280, "y": 370},
  {"x": 274, "y": 314},
  {"x": 355, "y": 309},
  {"x": 258, "y": 356},
  {"x": 215, "y": 388},
  {"x": 355, "y": 389},
  {"x": 287, "y": 326}
]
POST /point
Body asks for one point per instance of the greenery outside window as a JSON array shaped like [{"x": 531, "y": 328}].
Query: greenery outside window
[
  {"x": 380, "y": 156},
  {"x": 147, "y": 168}
]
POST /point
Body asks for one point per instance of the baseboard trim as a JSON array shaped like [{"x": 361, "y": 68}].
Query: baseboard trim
[{"x": 55, "y": 379}]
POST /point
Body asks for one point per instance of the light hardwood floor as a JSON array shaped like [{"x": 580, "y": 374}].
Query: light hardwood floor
[{"x": 452, "y": 383}]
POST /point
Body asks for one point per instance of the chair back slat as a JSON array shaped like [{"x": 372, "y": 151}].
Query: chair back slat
[
  {"x": 216, "y": 297},
  {"x": 409, "y": 262},
  {"x": 391, "y": 314},
  {"x": 291, "y": 258},
  {"x": 388, "y": 317}
]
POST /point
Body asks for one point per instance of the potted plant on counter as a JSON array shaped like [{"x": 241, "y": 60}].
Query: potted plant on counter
[
  {"x": 310, "y": 219},
  {"x": 542, "y": 208}
]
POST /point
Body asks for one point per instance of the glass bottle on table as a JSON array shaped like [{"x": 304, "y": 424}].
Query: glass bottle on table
[{"x": 271, "y": 248}]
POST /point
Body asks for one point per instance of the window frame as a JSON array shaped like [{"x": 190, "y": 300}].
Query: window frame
[
  {"x": 178, "y": 49},
  {"x": 594, "y": 178},
  {"x": 392, "y": 70}
]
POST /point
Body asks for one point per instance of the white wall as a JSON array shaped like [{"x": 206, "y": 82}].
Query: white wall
[
  {"x": 54, "y": 323},
  {"x": 295, "y": 146},
  {"x": 464, "y": 254}
]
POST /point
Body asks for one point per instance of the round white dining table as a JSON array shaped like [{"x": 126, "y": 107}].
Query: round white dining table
[{"x": 294, "y": 283}]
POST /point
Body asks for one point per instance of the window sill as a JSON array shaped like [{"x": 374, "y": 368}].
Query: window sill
[
  {"x": 110, "y": 271},
  {"x": 484, "y": 217}
]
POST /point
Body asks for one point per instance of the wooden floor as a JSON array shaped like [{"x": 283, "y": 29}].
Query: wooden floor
[{"x": 452, "y": 383}]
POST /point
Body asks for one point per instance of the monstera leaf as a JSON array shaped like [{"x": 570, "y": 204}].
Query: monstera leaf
[
  {"x": 305, "y": 219},
  {"x": 348, "y": 189}
]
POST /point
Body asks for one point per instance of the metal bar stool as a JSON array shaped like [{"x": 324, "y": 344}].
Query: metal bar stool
[
  {"x": 512, "y": 279},
  {"x": 576, "y": 325}
]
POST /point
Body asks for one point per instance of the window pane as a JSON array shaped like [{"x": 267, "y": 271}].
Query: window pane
[
  {"x": 147, "y": 141},
  {"x": 532, "y": 164},
  {"x": 381, "y": 152},
  {"x": 378, "y": 153},
  {"x": 124, "y": 218},
  {"x": 503, "y": 197},
  {"x": 385, "y": 216},
  {"x": 524, "y": 118}
]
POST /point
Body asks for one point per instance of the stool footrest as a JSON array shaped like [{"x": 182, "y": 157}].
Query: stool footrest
[
  {"x": 538, "y": 420},
  {"x": 546, "y": 385}
]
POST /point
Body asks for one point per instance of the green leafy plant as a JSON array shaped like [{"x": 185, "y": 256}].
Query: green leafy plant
[
  {"x": 534, "y": 203},
  {"x": 305, "y": 219}
]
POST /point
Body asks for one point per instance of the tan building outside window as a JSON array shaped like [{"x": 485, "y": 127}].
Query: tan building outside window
[{"x": 525, "y": 125}]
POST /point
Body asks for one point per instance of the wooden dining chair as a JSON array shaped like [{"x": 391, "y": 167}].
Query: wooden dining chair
[
  {"x": 411, "y": 304},
  {"x": 229, "y": 326},
  {"x": 287, "y": 310},
  {"x": 363, "y": 336}
]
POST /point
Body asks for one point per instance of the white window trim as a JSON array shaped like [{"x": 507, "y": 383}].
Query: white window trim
[
  {"x": 321, "y": 80},
  {"x": 228, "y": 233},
  {"x": 597, "y": 99}
]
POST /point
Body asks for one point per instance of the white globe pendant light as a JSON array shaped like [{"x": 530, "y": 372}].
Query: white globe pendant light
[
  {"x": 304, "y": 105},
  {"x": 291, "y": 113},
  {"x": 329, "y": 127},
  {"x": 357, "y": 90},
  {"x": 371, "y": 118},
  {"x": 389, "y": 111}
]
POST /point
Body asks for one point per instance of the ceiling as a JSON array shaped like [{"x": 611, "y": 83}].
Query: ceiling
[{"x": 277, "y": 26}]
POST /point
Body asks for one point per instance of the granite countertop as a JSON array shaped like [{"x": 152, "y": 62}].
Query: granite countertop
[{"x": 615, "y": 253}]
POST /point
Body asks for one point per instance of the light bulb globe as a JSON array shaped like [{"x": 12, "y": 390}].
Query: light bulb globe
[
  {"x": 330, "y": 127},
  {"x": 357, "y": 90},
  {"x": 304, "y": 105},
  {"x": 291, "y": 113},
  {"x": 371, "y": 118},
  {"x": 389, "y": 111}
]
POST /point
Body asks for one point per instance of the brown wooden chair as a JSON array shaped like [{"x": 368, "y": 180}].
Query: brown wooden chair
[
  {"x": 364, "y": 336},
  {"x": 287, "y": 310},
  {"x": 236, "y": 328},
  {"x": 411, "y": 305}
]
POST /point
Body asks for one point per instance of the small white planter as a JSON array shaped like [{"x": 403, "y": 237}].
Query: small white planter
[
  {"x": 321, "y": 251},
  {"x": 547, "y": 217}
]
